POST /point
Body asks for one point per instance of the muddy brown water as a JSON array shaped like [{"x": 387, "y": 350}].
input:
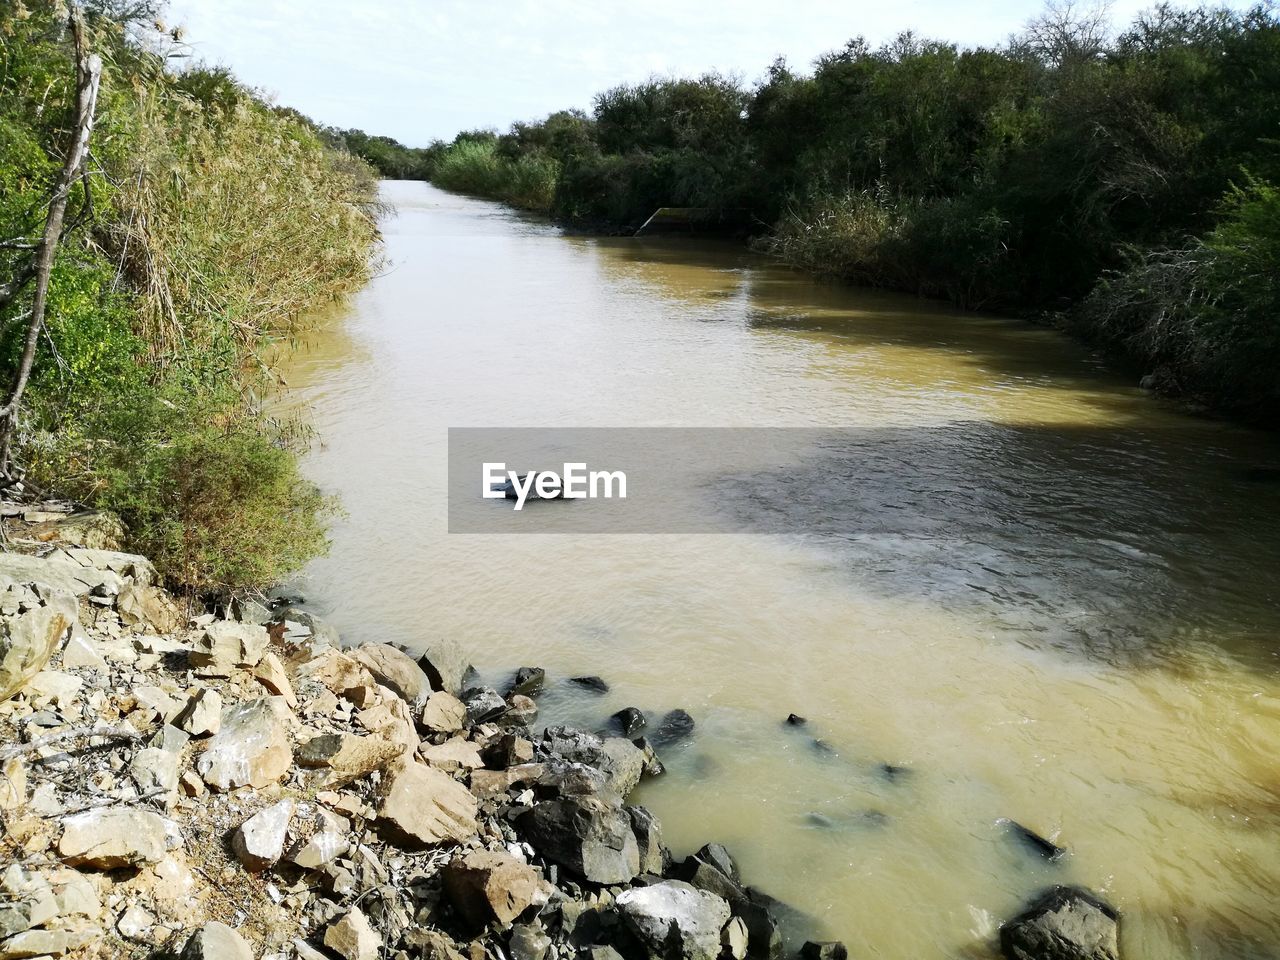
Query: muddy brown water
[{"x": 1031, "y": 589}]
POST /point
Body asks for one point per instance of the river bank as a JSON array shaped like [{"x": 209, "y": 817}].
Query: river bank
[{"x": 236, "y": 784}]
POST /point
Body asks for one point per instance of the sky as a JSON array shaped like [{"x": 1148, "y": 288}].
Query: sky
[{"x": 419, "y": 70}]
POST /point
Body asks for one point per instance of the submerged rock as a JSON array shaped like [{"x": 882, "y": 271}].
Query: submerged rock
[
  {"x": 1033, "y": 841},
  {"x": 593, "y": 683},
  {"x": 528, "y": 681},
  {"x": 1063, "y": 923},
  {"x": 795, "y": 720},
  {"x": 675, "y": 726},
  {"x": 628, "y": 721},
  {"x": 824, "y": 950}
]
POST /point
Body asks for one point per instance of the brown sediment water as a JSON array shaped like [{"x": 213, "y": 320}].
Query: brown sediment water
[{"x": 1050, "y": 597}]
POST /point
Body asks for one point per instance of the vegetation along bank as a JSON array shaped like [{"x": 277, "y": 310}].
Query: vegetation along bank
[
  {"x": 200, "y": 223},
  {"x": 1122, "y": 186}
]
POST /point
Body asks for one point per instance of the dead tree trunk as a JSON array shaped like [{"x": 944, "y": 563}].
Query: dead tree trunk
[{"x": 88, "y": 77}]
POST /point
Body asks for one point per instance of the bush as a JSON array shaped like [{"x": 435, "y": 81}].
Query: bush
[
  {"x": 1204, "y": 316},
  {"x": 217, "y": 510},
  {"x": 474, "y": 166}
]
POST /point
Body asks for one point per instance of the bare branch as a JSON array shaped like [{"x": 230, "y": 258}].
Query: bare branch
[
  {"x": 75, "y": 733},
  {"x": 88, "y": 77}
]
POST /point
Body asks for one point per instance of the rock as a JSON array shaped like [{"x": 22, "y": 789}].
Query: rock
[
  {"x": 271, "y": 674},
  {"x": 338, "y": 672},
  {"x": 795, "y": 720},
  {"x": 528, "y": 682},
  {"x": 717, "y": 856},
  {"x": 509, "y": 750},
  {"x": 483, "y": 704},
  {"x": 592, "y": 683},
  {"x": 707, "y": 876},
  {"x": 433, "y": 944},
  {"x": 395, "y": 669},
  {"x": 13, "y": 783},
  {"x": 757, "y": 912},
  {"x": 347, "y": 756},
  {"x": 445, "y": 665},
  {"x": 453, "y": 754},
  {"x": 421, "y": 806},
  {"x": 202, "y": 715},
  {"x": 225, "y": 645},
  {"x": 734, "y": 939},
  {"x": 1063, "y": 923},
  {"x": 443, "y": 713},
  {"x": 493, "y": 783},
  {"x": 621, "y": 761},
  {"x": 41, "y": 618},
  {"x": 654, "y": 856},
  {"x": 675, "y": 726},
  {"x": 216, "y": 941},
  {"x": 54, "y": 687},
  {"x": 521, "y": 710},
  {"x": 81, "y": 652},
  {"x": 490, "y": 887},
  {"x": 1033, "y": 841},
  {"x": 259, "y": 841},
  {"x": 670, "y": 914},
  {"x": 585, "y": 834},
  {"x": 824, "y": 950},
  {"x": 322, "y": 847},
  {"x": 353, "y": 938},
  {"x": 148, "y": 606},
  {"x": 155, "y": 770},
  {"x": 37, "y": 907},
  {"x": 135, "y": 923},
  {"x": 250, "y": 749},
  {"x": 628, "y": 721},
  {"x": 37, "y": 943},
  {"x": 529, "y": 941},
  {"x": 391, "y": 720},
  {"x": 107, "y": 838},
  {"x": 893, "y": 772}
]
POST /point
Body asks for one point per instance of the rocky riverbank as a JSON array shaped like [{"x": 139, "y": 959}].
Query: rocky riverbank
[{"x": 234, "y": 784}]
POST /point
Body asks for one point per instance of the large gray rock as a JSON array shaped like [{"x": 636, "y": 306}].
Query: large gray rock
[
  {"x": 216, "y": 941},
  {"x": 421, "y": 807},
  {"x": 620, "y": 761},
  {"x": 395, "y": 669},
  {"x": 107, "y": 838},
  {"x": 250, "y": 749},
  {"x": 589, "y": 835},
  {"x": 1063, "y": 923},
  {"x": 445, "y": 664},
  {"x": 654, "y": 856},
  {"x": 259, "y": 841},
  {"x": 35, "y": 617},
  {"x": 675, "y": 920}
]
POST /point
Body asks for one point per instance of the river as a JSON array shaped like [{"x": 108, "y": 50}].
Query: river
[{"x": 1045, "y": 595}]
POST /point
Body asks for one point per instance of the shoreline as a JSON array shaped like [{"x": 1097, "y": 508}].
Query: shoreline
[{"x": 175, "y": 779}]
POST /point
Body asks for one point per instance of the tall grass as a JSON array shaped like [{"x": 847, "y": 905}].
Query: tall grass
[{"x": 475, "y": 167}]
